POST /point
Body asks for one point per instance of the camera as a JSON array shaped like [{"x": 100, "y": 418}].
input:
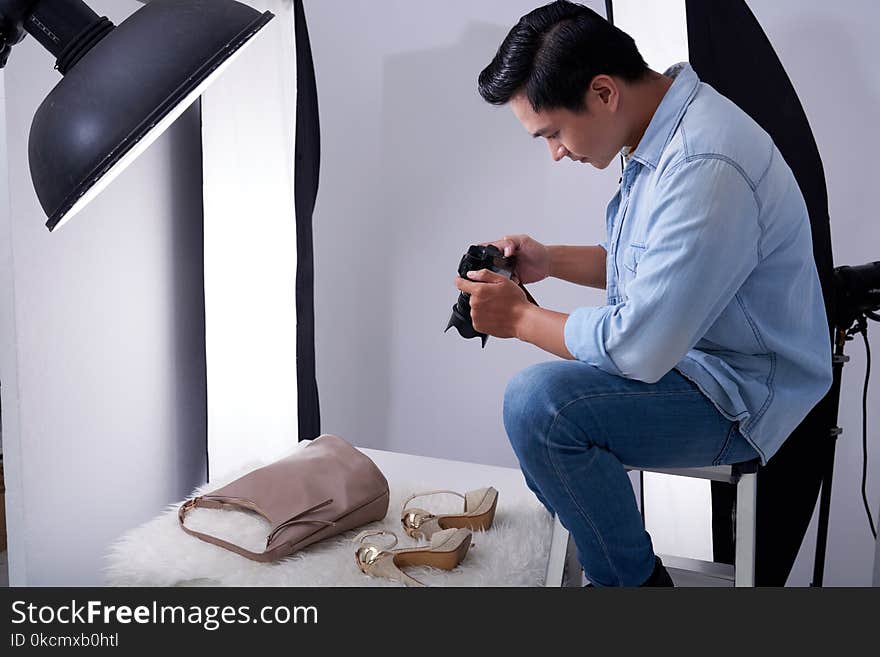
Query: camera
[{"x": 478, "y": 257}]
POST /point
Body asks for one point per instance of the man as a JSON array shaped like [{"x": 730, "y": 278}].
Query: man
[{"x": 713, "y": 345}]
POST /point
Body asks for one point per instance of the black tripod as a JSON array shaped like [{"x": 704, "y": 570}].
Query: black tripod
[{"x": 857, "y": 298}]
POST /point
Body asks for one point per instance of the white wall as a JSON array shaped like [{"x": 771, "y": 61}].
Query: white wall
[
  {"x": 8, "y": 354},
  {"x": 829, "y": 52},
  {"x": 103, "y": 364},
  {"x": 415, "y": 166}
]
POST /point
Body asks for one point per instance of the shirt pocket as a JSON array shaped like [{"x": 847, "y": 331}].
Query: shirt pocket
[{"x": 632, "y": 256}]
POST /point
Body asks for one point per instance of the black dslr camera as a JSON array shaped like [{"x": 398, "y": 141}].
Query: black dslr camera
[{"x": 479, "y": 257}]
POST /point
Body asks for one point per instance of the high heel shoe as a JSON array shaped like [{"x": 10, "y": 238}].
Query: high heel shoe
[
  {"x": 446, "y": 551},
  {"x": 479, "y": 511}
]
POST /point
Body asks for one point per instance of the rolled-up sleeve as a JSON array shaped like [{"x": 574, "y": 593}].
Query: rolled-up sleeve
[{"x": 702, "y": 244}]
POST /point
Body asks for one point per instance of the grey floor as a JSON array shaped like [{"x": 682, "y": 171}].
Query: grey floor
[{"x": 687, "y": 578}]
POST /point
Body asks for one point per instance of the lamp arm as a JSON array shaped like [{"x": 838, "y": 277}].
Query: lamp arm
[
  {"x": 66, "y": 28},
  {"x": 13, "y": 14}
]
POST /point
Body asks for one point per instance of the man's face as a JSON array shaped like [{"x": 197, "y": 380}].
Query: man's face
[{"x": 595, "y": 135}]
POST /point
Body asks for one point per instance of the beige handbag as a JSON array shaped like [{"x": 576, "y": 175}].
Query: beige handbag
[{"x": 323, "y": 489}]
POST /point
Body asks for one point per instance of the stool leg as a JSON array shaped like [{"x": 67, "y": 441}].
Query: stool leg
[
  {"x": 642, "y": 495},
  {"x": 746, "y": 511},
  {"x": 559, "y": 554},
  {"x": 573, "y": 574}
]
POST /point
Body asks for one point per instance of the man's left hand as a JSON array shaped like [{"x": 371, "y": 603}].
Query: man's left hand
[{"x": 497, "y": 303}]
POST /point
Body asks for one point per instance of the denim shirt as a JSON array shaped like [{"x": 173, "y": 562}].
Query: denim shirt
[{"x": 710, "y": 269}]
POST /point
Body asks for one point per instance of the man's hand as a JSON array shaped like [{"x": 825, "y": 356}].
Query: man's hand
[
  {"x": 532, "y": 257},
  {"x": 497, "y": 303}
]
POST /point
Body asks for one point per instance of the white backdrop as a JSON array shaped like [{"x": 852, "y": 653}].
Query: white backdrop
[{"x": 415, "y": 167}]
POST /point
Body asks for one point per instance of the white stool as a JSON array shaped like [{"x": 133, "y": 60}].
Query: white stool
[{"x": 742, "y": 573}]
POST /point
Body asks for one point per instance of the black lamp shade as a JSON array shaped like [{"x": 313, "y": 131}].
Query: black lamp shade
[{"x": 125, "y": 91}]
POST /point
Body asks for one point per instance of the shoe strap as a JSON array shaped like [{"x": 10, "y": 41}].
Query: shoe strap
[
  {"x": 431, "y": 492},
  {"x": 375, "y": 532}
]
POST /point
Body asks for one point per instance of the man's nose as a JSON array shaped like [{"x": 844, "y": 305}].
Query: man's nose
[{"x": 557, "y": 151}]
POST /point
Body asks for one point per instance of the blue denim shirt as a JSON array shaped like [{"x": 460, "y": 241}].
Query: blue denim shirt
[{"x": 710, "y": 269}]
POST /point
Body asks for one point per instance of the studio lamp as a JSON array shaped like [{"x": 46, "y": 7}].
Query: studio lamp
[{"x": 123, "y": 86}]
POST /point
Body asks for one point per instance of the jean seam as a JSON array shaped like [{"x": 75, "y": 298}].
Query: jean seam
[
  {"x": 586, "y": 516},
  {"x": 599, "y": 395}
]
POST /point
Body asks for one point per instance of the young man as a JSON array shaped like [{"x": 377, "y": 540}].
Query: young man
[{"x": 713, "y": 345}]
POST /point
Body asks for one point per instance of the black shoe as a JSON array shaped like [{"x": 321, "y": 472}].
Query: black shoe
[{"x": 660, "y": 576}]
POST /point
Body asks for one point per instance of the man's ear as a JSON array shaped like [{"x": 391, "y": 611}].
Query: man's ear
[{"x": 604, "y": 89}]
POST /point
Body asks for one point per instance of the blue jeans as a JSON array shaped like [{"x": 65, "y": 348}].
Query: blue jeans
[{"x": 573, "y": 426}]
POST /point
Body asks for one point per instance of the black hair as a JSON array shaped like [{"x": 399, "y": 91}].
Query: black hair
[{"x": 553, "y": 53}]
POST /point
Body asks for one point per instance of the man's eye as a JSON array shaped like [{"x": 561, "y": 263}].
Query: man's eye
[{"x": 555, "y": 135}]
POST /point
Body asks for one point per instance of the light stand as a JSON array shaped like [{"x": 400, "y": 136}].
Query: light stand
[
  {"x": 877, "y": 557},
  {"x": 857, "y": 298}
]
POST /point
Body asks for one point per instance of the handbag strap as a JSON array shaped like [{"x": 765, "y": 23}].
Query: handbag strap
[{"x": 206, "y": 501}]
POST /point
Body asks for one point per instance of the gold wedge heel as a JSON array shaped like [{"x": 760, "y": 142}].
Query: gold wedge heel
[
  {"x": 479, "y": 512},
  {"x": 447, "y": 549}
]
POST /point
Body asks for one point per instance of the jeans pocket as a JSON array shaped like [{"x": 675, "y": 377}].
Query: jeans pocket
[{"x": 728, "y": 441}]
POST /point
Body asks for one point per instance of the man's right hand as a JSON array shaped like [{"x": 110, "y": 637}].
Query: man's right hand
[{"x": 532, "y": 257}]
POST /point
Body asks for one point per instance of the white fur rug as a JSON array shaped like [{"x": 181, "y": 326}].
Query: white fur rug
[{"x": 513, "y": 552}]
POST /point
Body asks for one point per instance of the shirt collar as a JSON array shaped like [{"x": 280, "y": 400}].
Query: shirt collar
[{"x": 668, "y": 114}]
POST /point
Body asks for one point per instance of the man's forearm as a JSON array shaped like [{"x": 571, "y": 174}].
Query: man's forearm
[
  {"x": 583, "y": 265},
  {"x": 543, "y": 328}
]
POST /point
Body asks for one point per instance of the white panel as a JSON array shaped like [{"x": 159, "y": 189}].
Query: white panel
[
  {"x": 248, "y": 131},
  {"x": 678, "y": 515},
  {"x": 677, "y": 510},
  {"x": 659, "y": 28}
]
